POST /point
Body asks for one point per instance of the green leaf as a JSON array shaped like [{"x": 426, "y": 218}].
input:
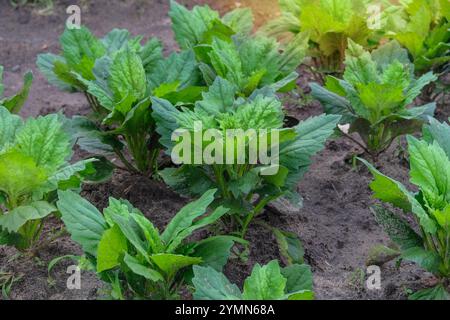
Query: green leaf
[
  {"x": 219, "y": 99},
  {"x": 19, "y": 175},
  {"x": 178, "y": 67},
  {"x": 265, "y": 283},
  {"x": 81, "y": 49},
  {"x": 16, "y": 218},
  {"x": 439, "y": 132},
  {"x": 170, "y": 264},
  {"x": 240, "y": 20},
  {"x": 299, "y": 278},
  {"x": 290, "y": 246},
  {"x": 391, "y": 191},
  {"x": 9, "y": 126},
  {"x": 311, "y": 137},
  {"x": 46, "y": 64},
  {"x": 213, "y": 285},
  {"x": 186, "y": 216},
  {"x": 16, "y": 102},
  {"x": 397, "y": 229},
  {"x": 142, "y": 270},
  {"x": 189, "y": 26},
  {"x": 83, "y": 221},
  {"x": 214, "y": 251},
  {"x": 435, "y": 293},
  {"x": 120, "y": 214},
  {"x": 44, "y": 140},
  {"x": 428, "y": 260},
  {"x": 111, "y": 248},
  {"x": 430, "y": 169},
  {"x": 128, "y": 75}
]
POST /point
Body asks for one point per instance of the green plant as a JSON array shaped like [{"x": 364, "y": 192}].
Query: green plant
[
  {"x": 225, "y": 48},
  {"x": 15, "y": 102},
  {"x": 33, "y": 164},
  {"x": 122, "y": 87},
  {"x": 268, "y": 282},
  {"x": 423, "y": 27},
  {"x": 329, "y": 24},
  {"x": 374, "y": 95},
  {"x": 239, "y": 179},
  {"x": 430, "y": 207},
  {"x": 130, "y": 254},
  {"x": 70, "y": 70}
]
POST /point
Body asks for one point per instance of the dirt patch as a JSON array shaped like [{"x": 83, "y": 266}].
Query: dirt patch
[{"x": 335, "y": 224}]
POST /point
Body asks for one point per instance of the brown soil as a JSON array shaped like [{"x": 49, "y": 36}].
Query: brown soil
[{"x": 335, "y": 224}]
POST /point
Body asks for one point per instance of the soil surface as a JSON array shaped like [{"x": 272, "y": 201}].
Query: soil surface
[{"x": 335, "y": 225}]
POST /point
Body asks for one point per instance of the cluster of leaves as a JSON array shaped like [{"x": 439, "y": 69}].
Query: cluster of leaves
[
  {"x": 33, "y": 164},
  {"x": 328, "y": 24},
  {"x": 240, "y": 180},
  {"x": 118, "y": 76},
  {"x": 423, "y": 27},
  {"x": 268, "y": 282},
  {"x": 374, "y": 95},
  {"x": 225, "y": 48},
  {"x": 430, "y": 206},
  {"x": 128, "y": 252},
  {"x": 15, "y": 102}
]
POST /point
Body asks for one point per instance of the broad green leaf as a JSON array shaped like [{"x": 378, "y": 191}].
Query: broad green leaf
[
  {"x": 9, "y": 126},
  {"x": 428, "y": 260},
  {"x": 391, "y": 191},
  {"x": 439, "y": 132},
  {"x": 200, "y": 223},
  {"x": 142, "y": 270},
  {"x": 213, "y": 285},
  {"x": 20, "y": 175},
  {"x": 46, "y": 64},
  {"x": 121, "y": 216},
  {"x": 178, "y": 67},
  {"x": 290, "y": 246},
  {"x": 44, "y": 140},
  {"x": 265, "y": 283},
  {"x": 214, "y": 251},
  {"x": 81, "y": 49},
  {"x": 220, "y": 97},
  {"x": 111, "y": 248},
  {"x": 186, "y": 216},
  {"x": 397, "y": 229},
  {"x": 189, "y": 26},
  {"x": 16, "y": 218},
  {"x": 151, "y": 233},
  {"x": 83, "y": 221},
  {"x": 240, "y": 20},
  {"x": 435, "y": 293},
  {"x": 128, "y": 75},
  {"x": 299, "y": 278},
  {"x": 430, "y": 170},
  {"x": 170, "y": 264}
]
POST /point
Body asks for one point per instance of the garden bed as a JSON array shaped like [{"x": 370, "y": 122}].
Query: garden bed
[{"x": 335, "y": 225}]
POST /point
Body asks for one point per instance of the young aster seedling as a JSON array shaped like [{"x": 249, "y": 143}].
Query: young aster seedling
[
  {"x": 128, "y": 252},
  {"x": 328, "y": 24},
  {"x": 429, "y": 246},
  {"x": 225, "y": 48},
  {"x": 33, "y": 165},
  {"x": 80, "y": 52},
  {"x": 376, "y": 96},
  {"x": 423, "y": 27},
  {"x": 240, "y": 147}
]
